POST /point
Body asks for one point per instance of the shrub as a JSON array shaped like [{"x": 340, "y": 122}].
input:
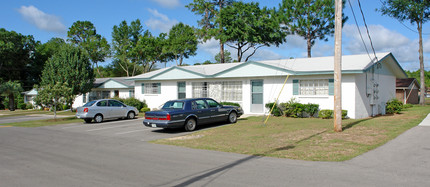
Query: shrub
[
  {"x": 292, "y": 108},
  {"x": 132, "y": 102},
  {"x": 145, "y": 109},
  {"x": 325, "y": 114},
  {"x": 22, "y": 106},
  {"x": 393, "y": 106},
  {"x": 408, "y": 105},
  {"x": 29, "y": 106},
  {"x": 276, "y": 111},
  {"x": 230, "y": 103},
  {"x": 311, "y": 109},
  {"x": 65, "y": 107}
]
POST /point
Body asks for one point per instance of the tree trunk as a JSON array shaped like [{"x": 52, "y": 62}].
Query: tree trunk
[
  {"x": 221, "y": 53},
  {"x": 421, "y": 56},
  {"x": 98, "y": 71},
  {"x": 309, "y": 46},
  {"x": 11, "y": 102}
]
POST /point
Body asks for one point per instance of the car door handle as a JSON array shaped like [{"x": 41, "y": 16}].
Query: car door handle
[{"x": 212, "y": 110}]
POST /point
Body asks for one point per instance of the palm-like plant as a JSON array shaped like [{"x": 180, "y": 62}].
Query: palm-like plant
[{"x": 10, "y": 89}]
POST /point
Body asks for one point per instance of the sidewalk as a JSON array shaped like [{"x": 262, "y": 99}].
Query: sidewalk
[{"x": 426, "y": 121}]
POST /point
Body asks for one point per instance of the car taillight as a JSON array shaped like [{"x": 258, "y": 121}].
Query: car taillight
[
  {"x": 154, "y": 118},
  {"x": 85, "y": 109}
]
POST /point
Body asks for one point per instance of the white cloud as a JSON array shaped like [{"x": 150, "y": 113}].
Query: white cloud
[
  {"x": 211, "y": 46},
  {"x": 159, "y": 21},
  {"x": 168, "y": 3},
  {"x": 42, "y": 20},
  {"x": 263, "y": 54},
  {"x": 384, "y": 40}
]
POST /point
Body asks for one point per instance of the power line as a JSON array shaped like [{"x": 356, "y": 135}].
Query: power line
[
  {"x": 367, "y": 29},
  {"x": 358, "y": 28}
]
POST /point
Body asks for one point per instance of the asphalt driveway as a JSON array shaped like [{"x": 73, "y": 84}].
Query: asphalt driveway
[{"x": 117, "y": 153}]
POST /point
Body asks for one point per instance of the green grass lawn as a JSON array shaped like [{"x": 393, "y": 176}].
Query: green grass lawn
[{"x": 303, "y": 139}]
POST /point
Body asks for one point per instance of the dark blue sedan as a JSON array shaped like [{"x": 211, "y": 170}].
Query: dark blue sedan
[{"x": 188, "y": 113}]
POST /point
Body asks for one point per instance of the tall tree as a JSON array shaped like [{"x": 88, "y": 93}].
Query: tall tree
[
  {"x": 10, "y": 89},
  {"x": 152, "y": 50},
  {"x": 416, "y": 12},
  {"x": 84, "y": 34},
  {"x": 54, "y": 95},
  {"x": 247, "y": 27},
  {"x": 209, "y": 10},
  {"x": 124, "y": 39},
  {"x": 311, "y": 19},
  {"x": 17, "y": 58},
  {"x": 70, "y": 65},
  {"x": 227, "y": 57},
  {"x": 43, "y": 53},
  {"x": 182, "y": 42}
]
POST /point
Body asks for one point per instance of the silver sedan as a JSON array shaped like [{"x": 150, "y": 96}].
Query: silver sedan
[{"x": 105, "y": 109}]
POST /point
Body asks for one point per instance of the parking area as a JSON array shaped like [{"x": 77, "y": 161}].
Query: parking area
[{"x": 130, "y": 129}]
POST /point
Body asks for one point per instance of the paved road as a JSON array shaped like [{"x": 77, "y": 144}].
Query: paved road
[
  {"x": 117, "y": 153},
  {"x": 14, "y": 119}
]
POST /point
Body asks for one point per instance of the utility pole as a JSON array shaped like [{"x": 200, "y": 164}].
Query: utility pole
[{"x": 338, "y": 67}]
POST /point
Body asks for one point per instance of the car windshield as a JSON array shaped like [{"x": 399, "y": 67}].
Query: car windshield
[
  {"x": 90, "y": 103},
  {"x": 173, "y": 105}
]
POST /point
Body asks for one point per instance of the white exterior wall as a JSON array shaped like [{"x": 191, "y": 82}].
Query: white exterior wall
[{"x": 123, "y": 93}]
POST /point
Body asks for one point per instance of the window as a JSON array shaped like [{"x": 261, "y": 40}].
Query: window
[
  {"x": 181, "y": 90},
  {"x": 131, "y": 93},
  {"x": 314, "y": 87},
  {"x": 152, "y": 88},
  {"x": 102, "y": 103},
  {"x": 221, "y": 91},
  {"x": 173, "y": 105},
  {"x": 116, "y": 93},
  {"x": 84, "y": 98},
  {"x": 199, "y": 104},
  {"x": 115, "y": 103},
  {"x": 212, "y": 103}
]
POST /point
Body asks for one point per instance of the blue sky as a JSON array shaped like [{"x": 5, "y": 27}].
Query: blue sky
[{"x": 45, "y": 19}]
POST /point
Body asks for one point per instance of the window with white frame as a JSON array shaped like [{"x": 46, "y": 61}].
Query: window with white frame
[
  {"x": 220, "y": 91},
  {"x": 152, "y": 88},
  {"x": 314, "y": 87}
]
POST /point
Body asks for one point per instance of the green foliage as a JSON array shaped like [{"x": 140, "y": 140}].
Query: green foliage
[
  {"x": 132, "y": 102},
  {"x": 310, "y": 19},
  {"x": 69, "y": 66},
  {"x": 292, "y": 108},
  {"x": 29, "y": 106},
  {"x": 248, "y": 27},
  {"x": 151, "y": 50},
  {"x": 393, "y": 106},
  {"x": 227, "y": 57},
  {"x": 20, "y": 102},
  {"x": 276, "y": 110},
  {"x": 416, "y": 75},
  {"x": 124, "y": 45},
  {"x": 83, "y": 34},
  {"x": 54, "y": 96},
  {"x": 17, "y": 58},
  {"x": 325, "y": 114},
  {"x": 209, "y": 10},
  {"x": 145, "y": 109},
  {"x": 182, "y": 42},
  {"x": 230, "y": 103},
  {"x": 10, "y": 89},
  {"x": 408, "y": 105},
  {"x": 311, "y": 109}
]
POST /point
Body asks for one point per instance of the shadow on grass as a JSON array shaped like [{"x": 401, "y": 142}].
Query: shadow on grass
[{"x": 352, "y": 124}]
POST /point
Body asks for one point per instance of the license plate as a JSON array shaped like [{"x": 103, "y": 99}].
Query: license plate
[{"x": 153, "y": 125}]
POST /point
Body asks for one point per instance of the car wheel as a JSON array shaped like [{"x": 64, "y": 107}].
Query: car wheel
[
  {"x": 98, "y": 118},
  {"x": 130, "y": 115},
  {"x": 232, "y": 117},
  {"x": 88, "y": 120},
  {"x": 190, "y": 124}
]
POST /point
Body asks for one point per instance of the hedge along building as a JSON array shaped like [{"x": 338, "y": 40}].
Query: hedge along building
[
  {"x": 104, "y": 88},
  {"x": 367, "y": 84}
]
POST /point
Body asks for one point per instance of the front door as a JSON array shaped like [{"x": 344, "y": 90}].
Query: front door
[{"x": 257, "y": 96}]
